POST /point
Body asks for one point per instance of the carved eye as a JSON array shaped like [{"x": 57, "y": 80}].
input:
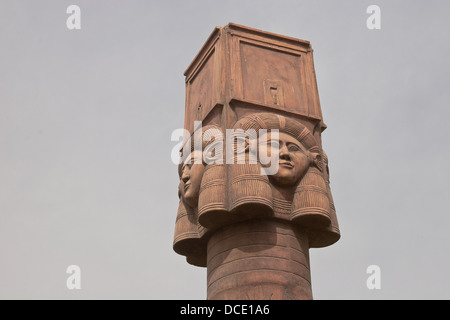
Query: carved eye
[
  {"x": 186, "y": 166},
  {"x": 294, "y": 148},
  {"x": 273, "y": 144}
]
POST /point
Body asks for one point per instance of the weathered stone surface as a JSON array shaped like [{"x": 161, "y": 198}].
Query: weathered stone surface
[{"x": 252, "y": 230}]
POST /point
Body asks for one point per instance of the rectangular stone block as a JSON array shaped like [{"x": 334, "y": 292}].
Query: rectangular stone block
[{"x": 251, "y": 70}]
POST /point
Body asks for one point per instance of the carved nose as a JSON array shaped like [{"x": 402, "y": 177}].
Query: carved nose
[
  {"x": 185, "y": 176},
  {"x": 284, "y": 153}
]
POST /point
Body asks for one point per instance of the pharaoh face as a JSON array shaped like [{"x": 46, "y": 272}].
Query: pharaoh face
[
  {"x": 293, "y": 158},
  {"x": 192, "y": 173}
]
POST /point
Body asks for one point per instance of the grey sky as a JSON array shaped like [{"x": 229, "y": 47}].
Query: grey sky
[{"x": 85, "y": 124}]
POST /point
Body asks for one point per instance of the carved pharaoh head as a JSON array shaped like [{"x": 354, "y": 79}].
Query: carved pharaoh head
[
  {"x": 190, "y": 236},
  {"x": 191, "y": 177},
  {"x": 293, "y": 158},
  {"x": 293, "y": 146},
  {"x": 192, "y": 165}
]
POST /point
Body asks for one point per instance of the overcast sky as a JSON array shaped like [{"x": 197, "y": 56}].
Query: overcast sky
[{"x": 86, "y": 118}]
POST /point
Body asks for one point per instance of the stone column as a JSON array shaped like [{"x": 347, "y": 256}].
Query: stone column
[
  {"x": 250, "y": 226},
  {"x": 259, "y": 260}
]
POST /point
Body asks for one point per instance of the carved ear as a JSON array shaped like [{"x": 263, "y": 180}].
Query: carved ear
[
  {"x": 241, "y": 145},
  {"x": 247, "y": 144},
  {"x": 316, "y": 160}
]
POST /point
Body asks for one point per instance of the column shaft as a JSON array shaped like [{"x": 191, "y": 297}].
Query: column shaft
[{"x": 259, "y": 260}]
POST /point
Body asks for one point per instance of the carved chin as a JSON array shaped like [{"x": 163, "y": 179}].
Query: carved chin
[
  {"x": 285, "y": 177},
  {"x": 190, "y": 199},
  {"x": 282, "y": 180}
]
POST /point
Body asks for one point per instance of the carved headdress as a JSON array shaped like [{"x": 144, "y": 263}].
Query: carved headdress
[
  {"x": 190, "y": 236},
  {"x": 241, "y": 191},
  {"x": 311, "y": 205}
]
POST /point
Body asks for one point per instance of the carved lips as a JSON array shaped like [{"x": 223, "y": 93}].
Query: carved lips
[{"x": 286, "y": 164}]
